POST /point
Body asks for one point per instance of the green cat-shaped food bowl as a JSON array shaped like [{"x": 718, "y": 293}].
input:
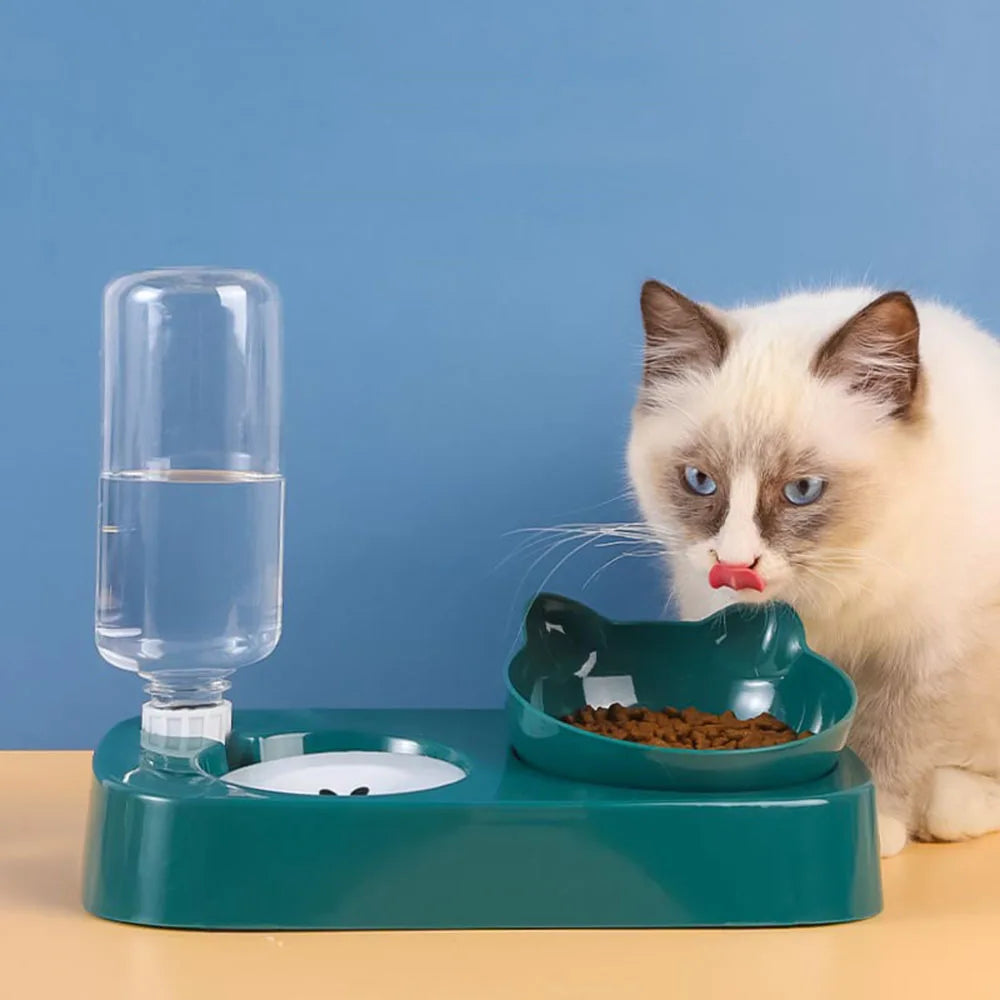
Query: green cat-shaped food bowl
[{"x": 748, "y": 659}]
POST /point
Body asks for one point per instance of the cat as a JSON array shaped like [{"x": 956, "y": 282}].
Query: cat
[{"x": 836, "y": 450}]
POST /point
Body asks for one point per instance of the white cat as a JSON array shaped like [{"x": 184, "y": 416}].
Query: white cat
[{"x": 838, "y": 451}]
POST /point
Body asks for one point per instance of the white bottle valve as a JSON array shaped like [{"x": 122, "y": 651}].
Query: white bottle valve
[{"x": 206, "y": 722}]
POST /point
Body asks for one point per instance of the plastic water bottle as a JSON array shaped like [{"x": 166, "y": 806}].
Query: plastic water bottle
[{"x": 191, "y": 504}]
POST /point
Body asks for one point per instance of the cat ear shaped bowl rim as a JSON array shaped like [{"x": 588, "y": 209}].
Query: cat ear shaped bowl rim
[{"x": 764, "y": 656}]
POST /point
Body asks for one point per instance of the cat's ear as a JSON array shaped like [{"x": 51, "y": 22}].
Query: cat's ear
[
  {"x": 877, "y": 353},
  {"x": 681, "y": 336}
]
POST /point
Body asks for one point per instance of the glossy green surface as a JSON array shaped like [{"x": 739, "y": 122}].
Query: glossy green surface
[
  {"x": 170, "y": 843},
  {"x": 749, "y": 660}
]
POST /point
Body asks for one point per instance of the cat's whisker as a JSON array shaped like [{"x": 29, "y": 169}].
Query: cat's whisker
[
  {"x": 671, "y": 598},
  {"x": 627, "y": 494},
  {"x": 618, "y": 528},
  {"x": 541, "y": 536},
  {"x": 549, "y": 550},
  {"x": 813, "y": 571},
  {"x": 554, "y": 538},
  {"x": 608, "y": 532},
  {"x": 643, "y": 542},
  {"x": 858, "y": 554},
  {"x": 559, "y": 543},
  {"x": 527, "y": 547},
  {"x": 831, "y": 581},
  {"x": 853, "y": 557},
  {"x": 562, "y": 562},
  {"x": 849, "y": 567},
  {"x": 622, "y": 555}
]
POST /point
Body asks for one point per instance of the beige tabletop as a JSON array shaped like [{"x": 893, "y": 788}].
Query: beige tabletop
[{"x": 939, "y": 936}]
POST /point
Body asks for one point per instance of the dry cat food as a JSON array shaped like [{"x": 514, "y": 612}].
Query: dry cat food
[{"x": 687, "y": 728}]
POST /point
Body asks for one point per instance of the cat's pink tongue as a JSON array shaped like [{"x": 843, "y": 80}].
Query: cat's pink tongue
[{"x": 735, "y": 577}]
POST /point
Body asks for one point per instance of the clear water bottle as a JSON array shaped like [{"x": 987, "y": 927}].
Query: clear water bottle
[{"x": 191, "y": 506}]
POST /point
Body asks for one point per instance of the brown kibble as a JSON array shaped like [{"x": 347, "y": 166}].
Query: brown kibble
[{"x": 688, "y": 729}]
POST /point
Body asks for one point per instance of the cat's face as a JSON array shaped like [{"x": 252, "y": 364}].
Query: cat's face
[{"x": 763, "y": 440}]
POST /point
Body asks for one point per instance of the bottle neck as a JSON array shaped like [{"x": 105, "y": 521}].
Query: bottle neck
[{"x": 167, "y": 692}]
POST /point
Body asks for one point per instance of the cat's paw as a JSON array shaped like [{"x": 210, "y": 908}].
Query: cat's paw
[
  {"x": 961, "y": 805},
  {"x": 892, "y": 835}
]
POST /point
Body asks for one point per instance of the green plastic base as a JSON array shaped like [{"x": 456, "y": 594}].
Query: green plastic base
[{"x": 170, "y": 843}]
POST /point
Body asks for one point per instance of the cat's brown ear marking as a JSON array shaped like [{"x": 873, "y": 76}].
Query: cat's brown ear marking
[
  {"x": 877, "y": 352},
  {"x": 681, "y": 336}
]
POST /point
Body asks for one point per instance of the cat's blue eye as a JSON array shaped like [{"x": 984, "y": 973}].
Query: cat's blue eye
[
  {"x": 699, "y": 482},
  {"x": 804, "y": 491}
]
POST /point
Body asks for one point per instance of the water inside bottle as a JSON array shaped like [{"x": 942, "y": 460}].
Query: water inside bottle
[{"x": 189, "y": 571}]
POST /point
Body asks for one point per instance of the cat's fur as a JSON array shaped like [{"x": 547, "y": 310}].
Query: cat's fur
[{"x": 895, "y": 570}]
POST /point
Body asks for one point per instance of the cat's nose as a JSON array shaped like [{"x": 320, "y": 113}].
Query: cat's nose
[
  {"x": 734, "y": 564},
  {"x": 736, "y": 576}
]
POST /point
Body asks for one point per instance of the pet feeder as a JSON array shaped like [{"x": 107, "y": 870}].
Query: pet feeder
[{"x": 324, "y": 819}]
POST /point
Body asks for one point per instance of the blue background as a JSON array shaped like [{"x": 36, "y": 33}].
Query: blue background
[{"x": 459, "y": 202}]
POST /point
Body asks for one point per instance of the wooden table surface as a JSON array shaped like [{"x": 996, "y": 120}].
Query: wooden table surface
[{"x": 939, "y": 935}]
